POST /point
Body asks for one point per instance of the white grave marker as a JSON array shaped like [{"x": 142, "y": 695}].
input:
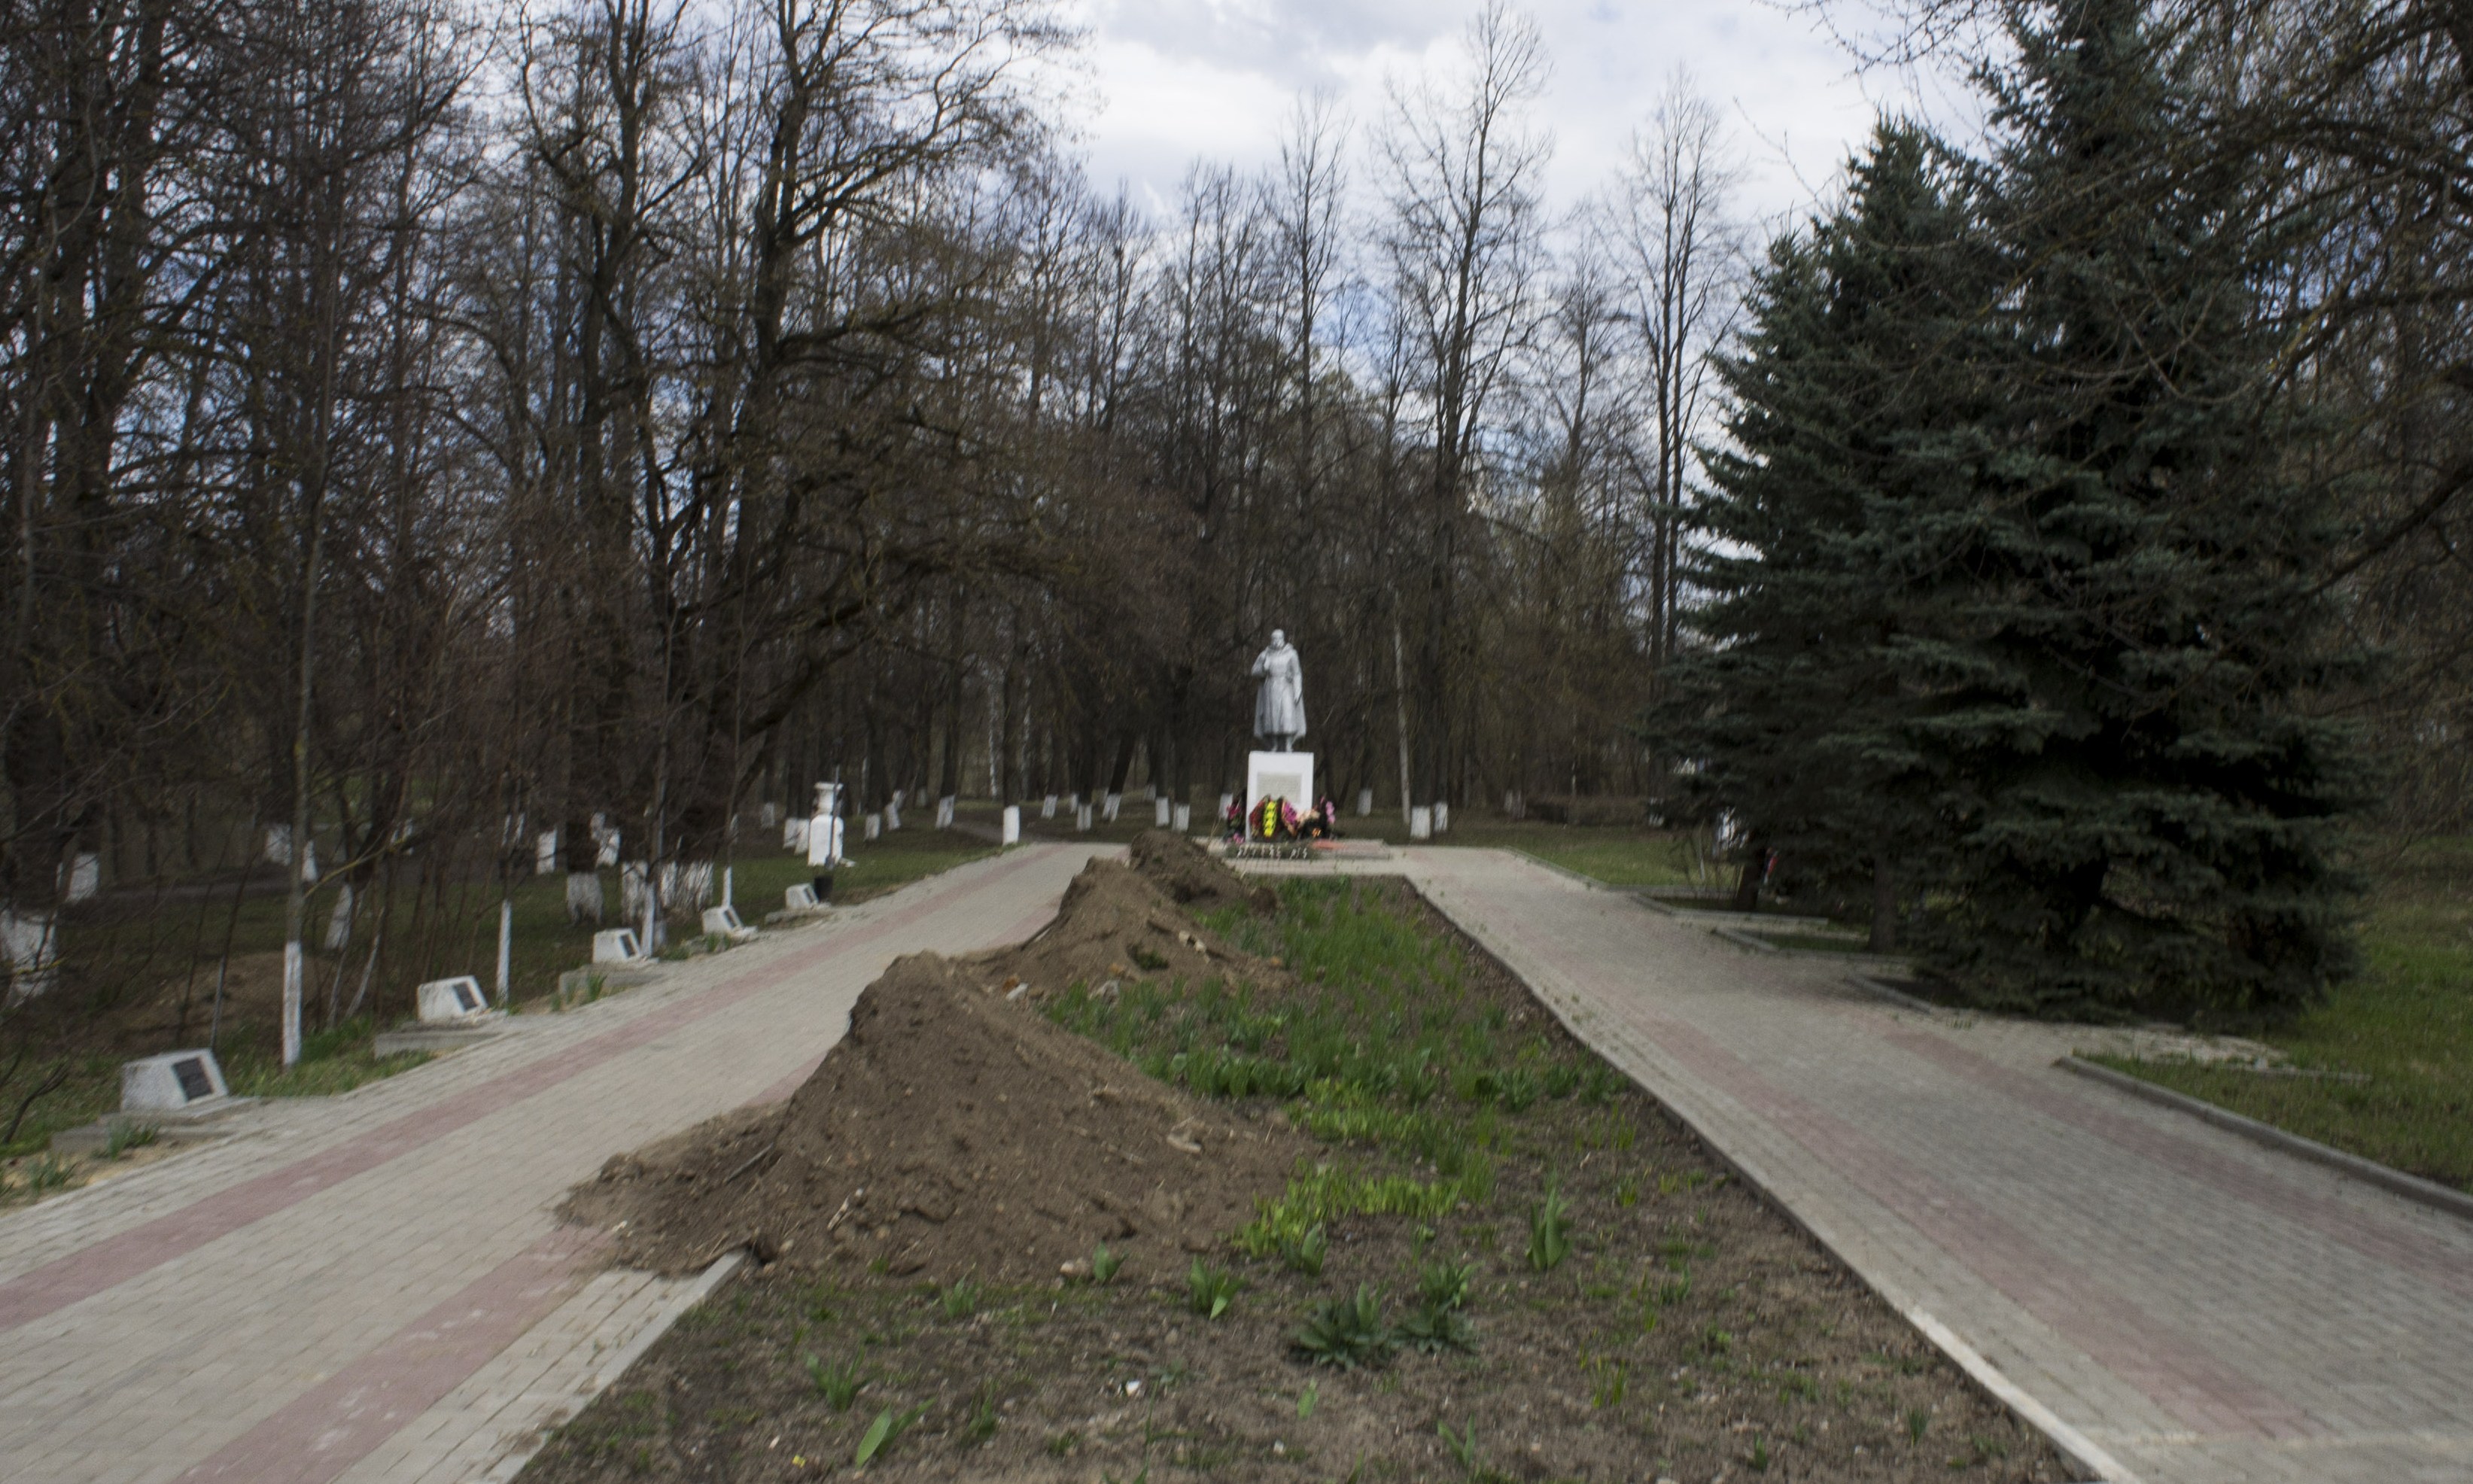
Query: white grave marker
[
  {"x": 794, "y": 836},
  {"x": 545, "y": 852},
  {"x": 874, "y": 826},
  {"x": 85, "y": 876},
  {"x": 616, "y": 945},
  {"x": 171, "y": 1082},
  {"x": 800, "y": 898},
  {"x": 1047, "y": 807},
  {"x": 451, "y": 1001},
  {"x": 1364, "y": 803},
  {"x": 1420, "y": 822},
  {"x": 724, "y": 923},
  {"x": 1012, "y": 832},
  {"x": 32, "y": 942}
]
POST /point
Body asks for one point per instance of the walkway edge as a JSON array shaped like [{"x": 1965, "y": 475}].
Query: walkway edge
[
  {"x": 2067, "y": 1438},
  {"x": 2395, "y": 1181},
  {"x": 512, "y": 1462}
]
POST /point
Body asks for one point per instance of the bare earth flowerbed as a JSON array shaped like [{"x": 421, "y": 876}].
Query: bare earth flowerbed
[{"x": 1496, "y": 1260}]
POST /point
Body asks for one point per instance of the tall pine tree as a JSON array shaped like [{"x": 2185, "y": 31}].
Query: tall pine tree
[
  {"x": 2144, "y": 813},
  {"x": 1854, "y": 441}
]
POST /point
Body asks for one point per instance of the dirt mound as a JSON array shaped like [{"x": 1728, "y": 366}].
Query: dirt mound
[
  {"x": 1116, "y": 923},
  {"x": 953, "y": 1131},
  {"x": 1192, "y": 876}
]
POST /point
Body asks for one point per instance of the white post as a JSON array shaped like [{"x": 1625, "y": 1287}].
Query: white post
[
  {"x": 1159, "y": 812},
  {"x": 506, "y": 943},
  {"x": 291, "y": 1000},
  {"x": 1011, "y": 825},
  {"x": 1182, "y": 818},
  {"x": 728, "y": 874}
]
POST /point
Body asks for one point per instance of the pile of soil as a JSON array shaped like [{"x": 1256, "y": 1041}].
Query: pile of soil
[
  {"x": 1120, "y": 923},
  {"x": 1194, "y": 878},
  {"x": 954, "y": 1131}
]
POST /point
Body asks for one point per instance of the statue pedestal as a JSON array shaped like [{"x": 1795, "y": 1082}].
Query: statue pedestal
[{"x": 1288, "y": 775}]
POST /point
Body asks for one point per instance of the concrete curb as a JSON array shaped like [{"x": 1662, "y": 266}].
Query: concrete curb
[{"x": 2395, "y": 1181}]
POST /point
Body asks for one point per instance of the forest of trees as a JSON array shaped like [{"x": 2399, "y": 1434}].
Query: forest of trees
[{"x": 427, "y": 424}]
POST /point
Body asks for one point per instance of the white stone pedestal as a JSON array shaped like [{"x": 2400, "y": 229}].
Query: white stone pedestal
[{"x": 1288, "y": 775}]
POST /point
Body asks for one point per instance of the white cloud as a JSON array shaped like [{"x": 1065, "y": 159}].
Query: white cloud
[{"x": 1176, "y": 79}]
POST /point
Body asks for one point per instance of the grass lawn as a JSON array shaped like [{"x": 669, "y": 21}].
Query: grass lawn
[
  {"x": 1504, "y": 1261},
  {"x": 2407, "y": 1024}
]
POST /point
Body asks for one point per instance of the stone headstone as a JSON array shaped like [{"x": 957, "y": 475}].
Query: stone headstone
[
  {"x": 1364, "y": 803},
  {"x": 171, "y": 1082},
  {"x": 85, "y": 878},
  {"x": 767, "y": 816},
  {"x": 724, "y": 923},
  {"x": 31, "y": 940},
  {"x": 545, "y": 852},
  {"x": 616, "y": 945},
  {"x": 800, "y": 898},
  {"x": 1011, "y": 833},
  {"x": 1420, "y": 822},
  {"x": 450, "y": 1002},
  {"x": 794, "y": 836},
  {"x": 875, "y": 827},
  {"x": 584, "y": 896}
]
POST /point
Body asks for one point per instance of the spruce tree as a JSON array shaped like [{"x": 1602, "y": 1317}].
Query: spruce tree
[
  {"x": 2144, "y": 813},
  {"x": 1854, "y": 434}
]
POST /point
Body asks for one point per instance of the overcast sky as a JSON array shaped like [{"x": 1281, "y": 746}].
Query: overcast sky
[{"x": 1171, "y": 80}]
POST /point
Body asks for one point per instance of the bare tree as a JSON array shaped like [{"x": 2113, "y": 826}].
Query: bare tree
[
  {"x": 1462, "y": 240},
  {"x": 1667, "y": 228}
]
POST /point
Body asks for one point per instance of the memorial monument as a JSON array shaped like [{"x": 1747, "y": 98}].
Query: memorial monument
[{"x": 1278, "y": 719}]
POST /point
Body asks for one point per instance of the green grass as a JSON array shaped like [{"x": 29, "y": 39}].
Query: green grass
[{"x": 2406, "y": 1023}]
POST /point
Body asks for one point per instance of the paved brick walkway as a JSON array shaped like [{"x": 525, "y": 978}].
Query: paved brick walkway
[
  {"x": 2195, "y": 1310},
  {"x": 372, "y": 1287}
]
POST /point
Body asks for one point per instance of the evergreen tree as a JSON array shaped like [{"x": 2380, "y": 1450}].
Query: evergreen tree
[
  {"x": 2144, "y": 815},
  {"x": 1854, "y": 437}
]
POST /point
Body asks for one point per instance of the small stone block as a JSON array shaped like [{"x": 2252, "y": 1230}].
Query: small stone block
[
  {"x": 172, "y": 1082},
  {"x": 451, "y": 1001},
  {"x": 616, "y": 945}
]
